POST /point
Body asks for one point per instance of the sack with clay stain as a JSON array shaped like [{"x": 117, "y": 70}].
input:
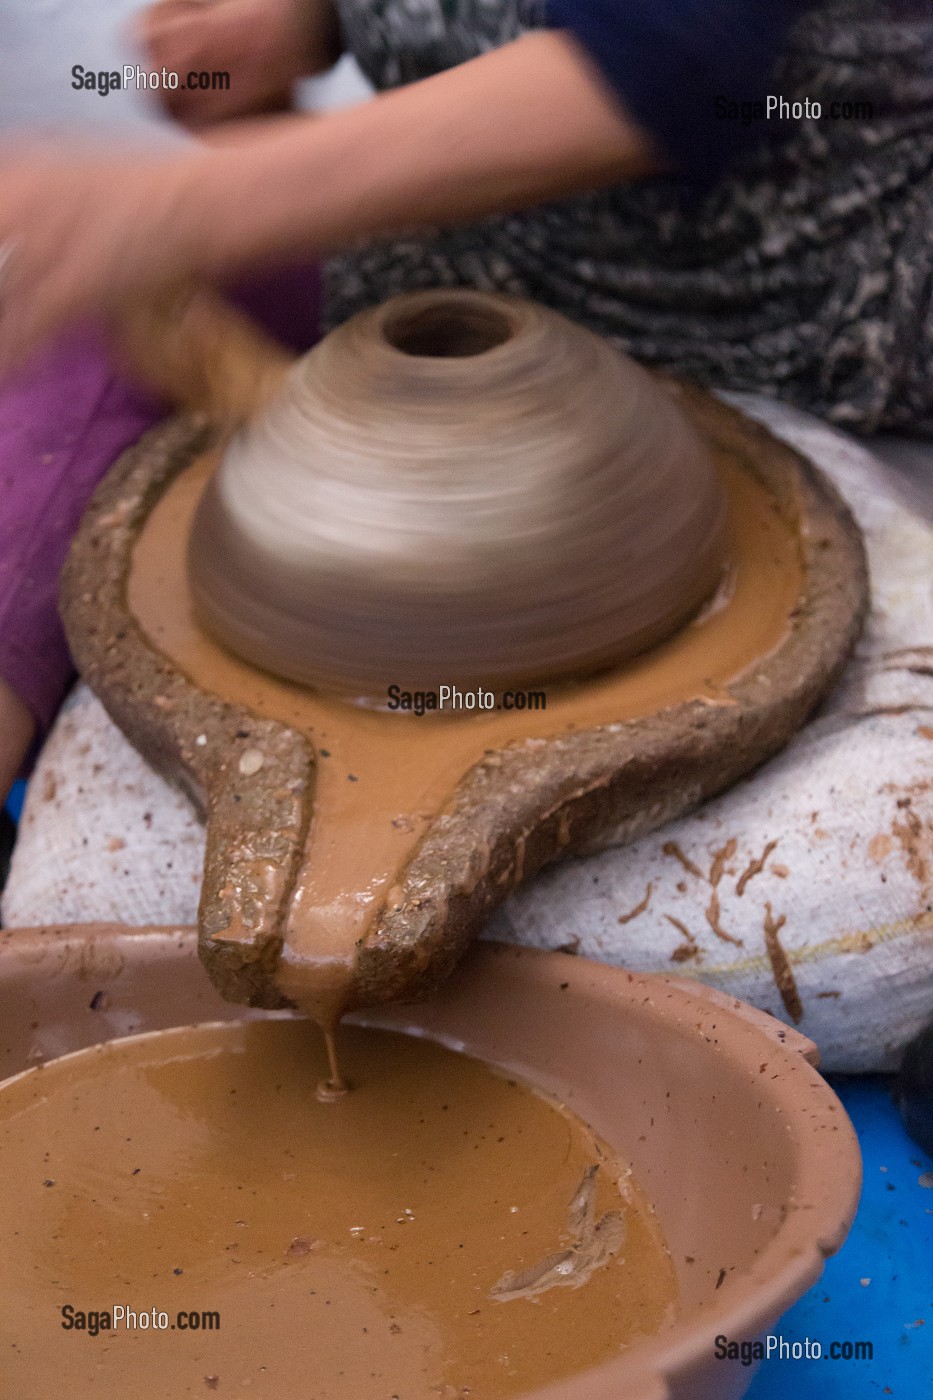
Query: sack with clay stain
[{"x": 807, "y": 889}]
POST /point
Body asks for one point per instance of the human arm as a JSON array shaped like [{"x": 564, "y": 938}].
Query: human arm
[{"x": 526, "y": 123}]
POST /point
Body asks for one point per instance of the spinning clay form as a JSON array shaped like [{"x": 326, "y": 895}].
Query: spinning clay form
[{"x": 457, "y": 488}]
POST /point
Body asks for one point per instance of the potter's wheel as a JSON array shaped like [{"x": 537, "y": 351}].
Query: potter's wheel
[{"x": 356, "y": 852}]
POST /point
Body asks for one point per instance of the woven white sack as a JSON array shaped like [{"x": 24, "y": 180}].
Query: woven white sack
[
  {"x": 807, "y": 890},
  {"x": 102, "y": 837}
]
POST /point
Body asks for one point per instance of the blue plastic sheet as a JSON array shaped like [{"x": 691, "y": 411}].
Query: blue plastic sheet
[
  {"x": 879, "y": 1288},
  {"x": 14, "y": 803}
]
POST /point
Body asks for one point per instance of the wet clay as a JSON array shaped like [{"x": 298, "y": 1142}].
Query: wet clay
[
  {"x": 444, "y": 1232},
  {"x": 383, "y": 777},
  {"x": 456, "y": 488}
]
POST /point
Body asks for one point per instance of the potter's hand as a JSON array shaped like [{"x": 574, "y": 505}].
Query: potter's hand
[
  {"x": 81, "y": 235},
  {"x": 264, "y": 45}
]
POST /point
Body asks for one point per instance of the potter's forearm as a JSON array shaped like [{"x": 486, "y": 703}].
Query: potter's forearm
[{"x": 527, "y": 123}]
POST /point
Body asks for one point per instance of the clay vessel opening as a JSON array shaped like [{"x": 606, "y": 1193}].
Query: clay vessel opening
[{"x": 447, "y": 329}]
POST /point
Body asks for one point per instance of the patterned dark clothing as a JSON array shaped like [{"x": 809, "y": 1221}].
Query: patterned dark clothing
[{"x": 805, "y": 272}]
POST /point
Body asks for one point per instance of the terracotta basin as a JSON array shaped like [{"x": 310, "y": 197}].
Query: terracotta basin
[{"x": 745, "y": 1152}]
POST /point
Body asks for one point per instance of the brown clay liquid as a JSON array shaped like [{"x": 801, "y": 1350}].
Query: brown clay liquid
[
  {"x": 442, "y": 1232},
  {"x": 382, "y": 777}
]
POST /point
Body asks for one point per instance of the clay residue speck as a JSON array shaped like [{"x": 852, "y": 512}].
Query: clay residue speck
[
  {"x": 671, "y": 848},
  {"x": 689, "y": 948},
  {"x": 720, "y": 857},
  {"x": 595, "y": 1241},
  {"x": 915, "y": 842},
  {"x": 639, "y": 908},
  {"x": 712, "y": 913},
  {"x": 754, "y": 867},
  {"x": 780, "y": 965}
]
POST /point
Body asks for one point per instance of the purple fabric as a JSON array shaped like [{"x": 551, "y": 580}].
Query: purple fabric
[{"x": 63, "y": 422}]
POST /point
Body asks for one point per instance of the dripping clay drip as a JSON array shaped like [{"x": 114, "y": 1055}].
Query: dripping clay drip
[{"x": 335, "y": 1085}]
